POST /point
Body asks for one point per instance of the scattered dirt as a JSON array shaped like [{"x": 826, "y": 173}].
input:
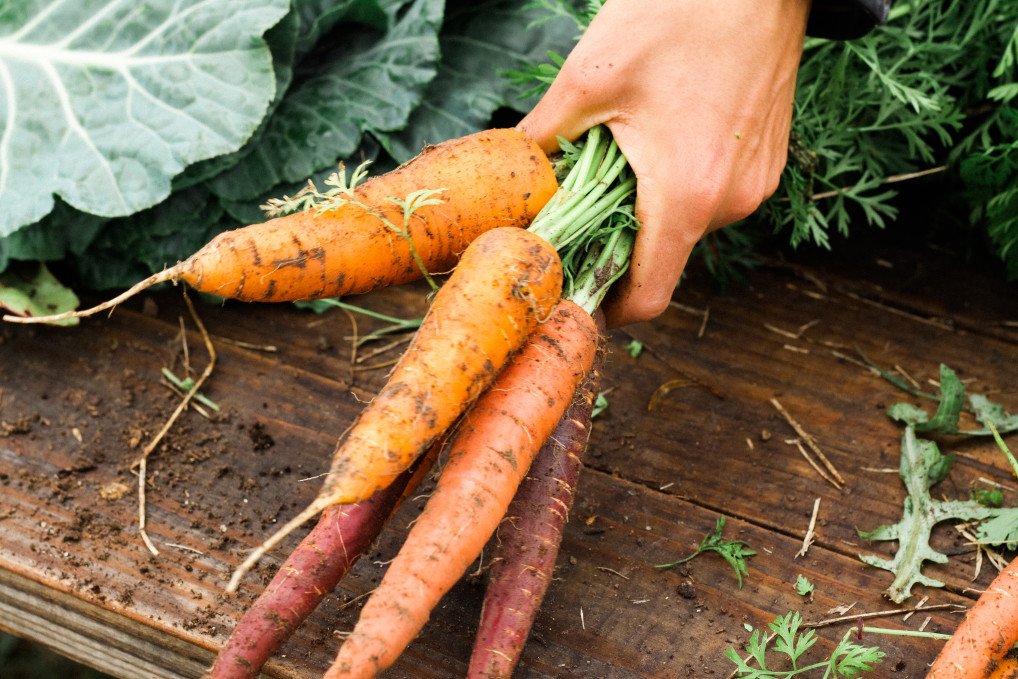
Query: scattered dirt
[{"x": 260, "y": 440}]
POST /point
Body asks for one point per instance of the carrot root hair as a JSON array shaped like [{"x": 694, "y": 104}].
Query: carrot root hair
[
  {"x": 528, "y": 540},
  {"x": 171, "y": 274},
  {"x": 258, "y": 552},
  {"x": 488, "y": 458}
]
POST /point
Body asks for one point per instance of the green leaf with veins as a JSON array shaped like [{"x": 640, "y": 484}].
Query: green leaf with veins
[
  {"x": 290, "y": 40},
  {"x": 63, "y": 231},
  {"x": 987, "y": 411},
  {"x": 945, "y": 420},
  {"x": 103, "y": 102},
  {"x": 479, "y": 42},
  {"x": 950, "y": 403},
  {"x": 922, "y": 466},
  {"x": 367, "y": 83}
]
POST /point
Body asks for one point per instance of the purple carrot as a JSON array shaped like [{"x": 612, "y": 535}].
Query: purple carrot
[
  {"x": 309, "y": 574},
  {"x": 528, "y": 539}
]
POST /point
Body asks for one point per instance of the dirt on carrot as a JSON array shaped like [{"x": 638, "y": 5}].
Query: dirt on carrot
[
  {"x": 988, "y": 631},
  {"x": 527, "y": 542},
  {"x": 488, "y": 459},
  {"x": 490, "y": 179},
  {"x": 507, "y": 282}
]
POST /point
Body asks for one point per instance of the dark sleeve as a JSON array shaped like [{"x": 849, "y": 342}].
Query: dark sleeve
[{"x": 846, "y": 19}]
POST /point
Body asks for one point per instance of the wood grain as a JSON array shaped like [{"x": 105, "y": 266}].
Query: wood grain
[{"x": 78, "y": 405}]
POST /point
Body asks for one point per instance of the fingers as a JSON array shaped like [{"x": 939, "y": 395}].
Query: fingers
[
  {"x": 672, "y": 218},
  {"x": 559, "y": 113}
]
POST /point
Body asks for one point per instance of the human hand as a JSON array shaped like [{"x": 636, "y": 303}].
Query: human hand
[{"x": 698, "y": 96}]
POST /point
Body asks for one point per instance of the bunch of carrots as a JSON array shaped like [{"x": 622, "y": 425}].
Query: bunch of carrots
[{"x": 499, "y": 379}]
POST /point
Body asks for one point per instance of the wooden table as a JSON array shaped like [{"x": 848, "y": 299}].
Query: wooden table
[{"x": 79, "y": 405}]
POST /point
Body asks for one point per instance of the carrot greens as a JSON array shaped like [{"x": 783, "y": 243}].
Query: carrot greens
[
  {"x": 591, "y": 219},
  {"x": 848, "y": 659},
  {"x": 734, "y": 552}
]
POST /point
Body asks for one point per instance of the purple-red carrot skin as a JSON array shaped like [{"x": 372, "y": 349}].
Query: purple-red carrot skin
[
  {"x": 528, "y": 540},
  {"x": 307, "y": 576}
]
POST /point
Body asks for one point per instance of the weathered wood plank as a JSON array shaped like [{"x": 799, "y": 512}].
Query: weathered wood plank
[{"x": 217, "y": 487}]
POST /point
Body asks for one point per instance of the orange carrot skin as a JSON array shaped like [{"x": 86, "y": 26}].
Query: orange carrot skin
[
  {"x": 310, "y": 573},
  {"x": 529, "y": 537},
  {"x": 492, "y": 178},
  {"x": 488, "y": 458},
  {"x": 985, "y": 635},
  {"x": 507, "y": 281}
]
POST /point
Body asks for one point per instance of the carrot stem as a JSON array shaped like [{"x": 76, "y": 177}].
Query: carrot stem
[{"x": 596, "y": 199}]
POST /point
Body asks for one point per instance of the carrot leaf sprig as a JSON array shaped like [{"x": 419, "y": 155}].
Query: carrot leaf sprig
[
  {"x": 847, "y": 660},
  {"x": 591, "y": 220},
  {"x": 732, "y": 551},
  {"x": 341, "y": 192}
]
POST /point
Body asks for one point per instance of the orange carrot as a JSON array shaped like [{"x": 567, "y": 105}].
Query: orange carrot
[
  {"x": 488, "y": 179},
  {"x": 985, "y": 635},
  {"x": 488, "y": 458},
  {"x": 507, "y": 281}
]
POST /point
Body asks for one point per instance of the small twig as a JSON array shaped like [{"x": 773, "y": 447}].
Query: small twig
[
  {"x": 181, "y": 386},
  {"x": 181, "y": 392},
  {"x": 142, "y": 461},
  {"x": 703, "y": 313},
  {"x": 185, "y": 548},
  {"x": 784, "y": 333},
  {"x": 353, "y": 343},
  {"x": 792, "y": 335},
  {"x": 385, "y": 347},
  {"x": 375, "y": 366},
  {"x": 983, "y": 479},
  {"x": 609, "y": 570},
  {"x": 823, "y": 474},
  {"x": 881, "y": 614},
  {"x": 270, "y": 348},
  {"x": 850, "y": 359},
  {"x": 183, "y": 343},
  {"x": 809, "y": 440},
  {"x": 907, "y": 377},
  {"x": 583, "y": 623},
  {"x": 922, "y": 602},
  {"x": 808, "y": 540},
  {"x": 887, "y": 180}
]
